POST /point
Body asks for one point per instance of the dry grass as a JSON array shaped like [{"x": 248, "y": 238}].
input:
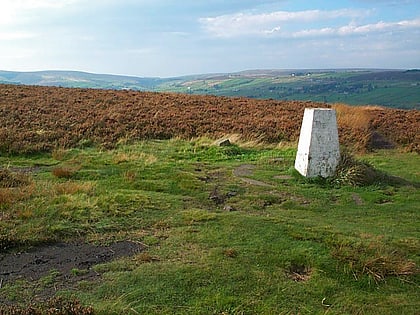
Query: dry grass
[
  {"x": 65, "y": 171},
  {"x": 71, "y": 188},
  {"x": 148, "y": 159},
  {"x": 230, "y": 252},
  {"x": 391, "y": 264},
  {"x": 14, "y": 186},
  {"x": 59, "y": 154},
  {"x": 57, "y": 306},
  {"x": 238, "y": 140},
  {"x": 130, "y": 176},
  {"x": 10, "y": 179},
  {"x": 354, "y": 124},
  {"x": 358, "y": 117},
  {"x": 375, "y": 260},
  {"x": 124, "y": 157},
  {"x": 9, "y": 196},
  {"x": 145, "y": 257}
]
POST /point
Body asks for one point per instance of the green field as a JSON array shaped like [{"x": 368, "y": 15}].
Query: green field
[
  {"x": 350, "y": 87},
  {"x": 227, "y": 230}
]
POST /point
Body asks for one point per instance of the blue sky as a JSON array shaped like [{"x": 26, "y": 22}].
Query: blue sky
[{"x": 171, "y": 38}]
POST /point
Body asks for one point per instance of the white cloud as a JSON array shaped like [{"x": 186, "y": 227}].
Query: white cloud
[
  {"x": 240, "y": 24},
  {"x": 273, "y": 30},
  {"x": 357, "y": 30},
  {"x": 285, "y": 24}
]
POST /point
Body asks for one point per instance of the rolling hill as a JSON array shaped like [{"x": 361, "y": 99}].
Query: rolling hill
[
  {"x": 78, "y": 79},
  {"x": 390, "y": 88}
]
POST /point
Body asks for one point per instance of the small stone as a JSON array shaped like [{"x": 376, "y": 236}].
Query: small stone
[
  {"x": 224, "y": 143},
  {"x": 357, "y": 199},
  {"x": 229, "y": 208},
  {"x": 231, "y": 194}
]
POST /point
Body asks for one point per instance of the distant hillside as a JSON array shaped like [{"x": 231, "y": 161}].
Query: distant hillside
[
  {"x": 78, "y": 79},
  {"x": 390, "y": 88}
]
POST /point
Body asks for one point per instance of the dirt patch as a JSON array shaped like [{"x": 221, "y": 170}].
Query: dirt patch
[
  {"x": 254, "y": 182},
  {"x": 244, "y": 170},
  {"x": 378, "y": 141},
  {"x": 22, "y": 170},
  {"x": 357, "y": 199},
  {"x": 247, "y": 170},
  {"x": 283, "y": 177},
  {"x": 299, "y": 273},
  {"x": 71, "y": 261}
]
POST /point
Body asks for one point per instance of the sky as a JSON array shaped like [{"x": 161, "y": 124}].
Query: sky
[{"x": 165, "y": 38}]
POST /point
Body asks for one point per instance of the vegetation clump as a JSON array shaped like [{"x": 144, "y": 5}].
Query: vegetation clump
[
  {"x": 9, "y": 179},
  {"x": 353, "y": 172},
  {"x": 374, "y": 260},
  {"x": 64, "y": 172},
  {"x": 54, "y": 306}
]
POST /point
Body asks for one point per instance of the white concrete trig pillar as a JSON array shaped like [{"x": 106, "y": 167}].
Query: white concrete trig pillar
[{"x": 318, "y": 149}]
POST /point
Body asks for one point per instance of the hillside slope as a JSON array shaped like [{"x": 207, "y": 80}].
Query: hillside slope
[
  {"x": 390, "y": 88},
  {"x": 34, "y": 118},
  {"x": 78, "y": 79}
]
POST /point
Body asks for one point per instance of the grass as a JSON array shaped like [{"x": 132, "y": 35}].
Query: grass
[{"x": 292, "y": 246}]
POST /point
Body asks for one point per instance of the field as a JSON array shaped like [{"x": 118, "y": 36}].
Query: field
[{"x": 120, "y": 202}]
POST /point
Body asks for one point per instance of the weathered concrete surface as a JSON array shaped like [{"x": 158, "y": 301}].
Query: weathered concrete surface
[{"x": 318, "y": 149}]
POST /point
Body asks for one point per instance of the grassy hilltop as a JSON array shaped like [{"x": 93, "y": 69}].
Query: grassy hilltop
[{"x": 120, "y": 202}]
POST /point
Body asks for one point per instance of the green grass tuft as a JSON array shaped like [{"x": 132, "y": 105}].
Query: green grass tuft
[{"x": 355, "y": 173}]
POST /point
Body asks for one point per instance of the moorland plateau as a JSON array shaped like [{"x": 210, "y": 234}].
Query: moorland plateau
[{"x": 122, "y": 202}]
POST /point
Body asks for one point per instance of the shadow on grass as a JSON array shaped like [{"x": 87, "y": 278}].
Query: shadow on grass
[{"x": 352, "y": 172}]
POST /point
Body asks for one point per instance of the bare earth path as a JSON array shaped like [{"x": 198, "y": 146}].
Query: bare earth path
[
  {"x": 247, "y": 170},
  {"x": 70, "y": 262}
]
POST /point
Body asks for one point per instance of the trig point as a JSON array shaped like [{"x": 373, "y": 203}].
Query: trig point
[{"x": 318, "y": 149}]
